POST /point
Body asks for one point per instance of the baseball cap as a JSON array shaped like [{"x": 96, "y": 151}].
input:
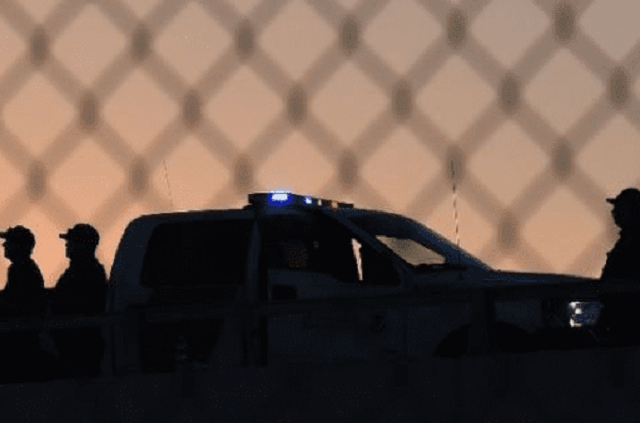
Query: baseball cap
[
  {"x": 20, "y": 235},
  {"x": 626, "y": 196},
  {"x": 82, "y": 232}
]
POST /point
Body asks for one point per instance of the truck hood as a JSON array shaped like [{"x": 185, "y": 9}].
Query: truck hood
[
  {"x": 510, "y": 278},
  {"x": 476, "y": 277}
]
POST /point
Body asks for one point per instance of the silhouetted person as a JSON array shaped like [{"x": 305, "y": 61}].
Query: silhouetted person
[
  {"x": 24, "y": 294},
  {"x": 623, "y": 262},
  {"x": 80, "y": 290}
]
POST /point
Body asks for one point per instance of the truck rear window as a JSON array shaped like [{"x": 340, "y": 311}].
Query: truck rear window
[{"x": 197, "y": 253}]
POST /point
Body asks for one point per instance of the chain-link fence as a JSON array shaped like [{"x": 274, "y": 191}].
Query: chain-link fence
[{"x": 109, "y": 112}]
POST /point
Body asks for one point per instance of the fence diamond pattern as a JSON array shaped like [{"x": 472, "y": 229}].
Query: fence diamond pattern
[{"x": 511, "y": 61}]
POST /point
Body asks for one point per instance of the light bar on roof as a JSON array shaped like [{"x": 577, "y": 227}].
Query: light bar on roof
[
  {"x": 280, "y": 198},
  {"x": 286, "y": 198}
]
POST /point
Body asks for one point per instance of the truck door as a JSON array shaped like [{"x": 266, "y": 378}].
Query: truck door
[
  {"x": 434, "y": 315},
  {"x": 198, "y": 270},
  {"x": 329, "y": 306}
]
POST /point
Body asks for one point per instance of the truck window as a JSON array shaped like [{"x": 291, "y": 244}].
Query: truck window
[
  {"x": 411, "y": 251},
  {"x": 296, "y": 244},
  {"x": 325, "y": 247},
  {"x": 197, "y": 253}
]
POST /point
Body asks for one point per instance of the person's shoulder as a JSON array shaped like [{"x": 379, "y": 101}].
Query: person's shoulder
[
  {"x": 27, "y": 266},
  {"x": 92, "y": 269},
  {"x": 33, "y": 265},
  {"x": 630, "y": 247},
  {"x": 97, "y": 263},
  {"x": 99, "y": 267}
]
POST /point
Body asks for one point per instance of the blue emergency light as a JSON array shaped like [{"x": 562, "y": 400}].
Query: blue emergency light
[
  {"x": 280, "y": 198},
  {"x": 286, "y": 198}
]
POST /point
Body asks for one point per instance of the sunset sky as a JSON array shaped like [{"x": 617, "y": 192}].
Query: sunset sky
[{"x": 537, "y": 156}]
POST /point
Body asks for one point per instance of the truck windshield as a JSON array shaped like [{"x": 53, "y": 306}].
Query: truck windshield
[
  {"x": 197, "y": 253},
  {"x": 413, "y": 242}
]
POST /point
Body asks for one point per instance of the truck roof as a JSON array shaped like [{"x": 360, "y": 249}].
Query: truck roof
[{"x": 372, "y": 221}]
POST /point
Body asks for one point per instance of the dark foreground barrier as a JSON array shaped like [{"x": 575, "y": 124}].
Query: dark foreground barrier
[{"x": 596, "y": 385}]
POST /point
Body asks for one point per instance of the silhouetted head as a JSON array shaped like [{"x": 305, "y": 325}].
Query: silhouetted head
[
  {"x": 626, "y": 208},
  {"x": 82, "y": 241},
  {"x": 19, "y": 243}
]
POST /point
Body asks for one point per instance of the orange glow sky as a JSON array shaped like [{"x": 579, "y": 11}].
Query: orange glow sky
[{"x": 456, "y": 99}]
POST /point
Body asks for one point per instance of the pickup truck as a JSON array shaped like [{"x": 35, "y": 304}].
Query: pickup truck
[
  {"x": 296, "y": 279},
  {"x": 292, "y": 278}
]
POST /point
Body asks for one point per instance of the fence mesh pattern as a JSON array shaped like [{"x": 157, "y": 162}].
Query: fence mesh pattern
[{"x": 529, "y": 106}]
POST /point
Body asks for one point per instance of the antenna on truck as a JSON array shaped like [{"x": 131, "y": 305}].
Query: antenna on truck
[
  {"x": 166, "y": 178},
  {"x": 455, "y": 210}
]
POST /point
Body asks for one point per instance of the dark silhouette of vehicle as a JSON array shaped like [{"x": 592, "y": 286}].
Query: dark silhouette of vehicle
[{"x": 253, "y": 286}]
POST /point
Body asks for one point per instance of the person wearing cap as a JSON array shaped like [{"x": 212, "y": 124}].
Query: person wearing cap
[
  {"x": 623, "y": 262},
  {"x": 23, "y": 294},
  {"x": 81, "y": 289}
]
